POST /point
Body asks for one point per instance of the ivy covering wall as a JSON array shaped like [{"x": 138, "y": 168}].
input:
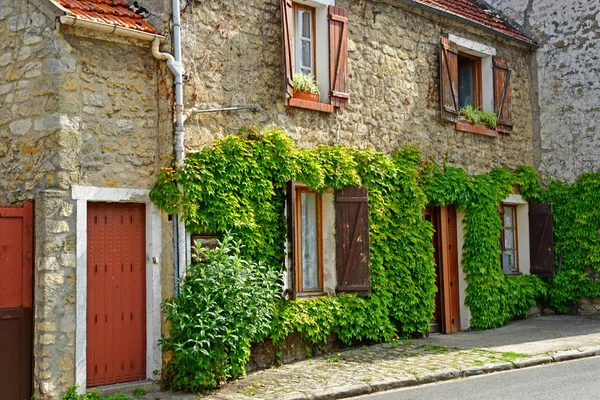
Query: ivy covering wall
[
  {"x": 576, "y": 214},
  {"x": 237, "y": 186}
]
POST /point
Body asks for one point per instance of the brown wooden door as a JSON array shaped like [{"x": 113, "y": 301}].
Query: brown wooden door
[
  {"x": 446, "y": 317},
  {"x": 16, "y": 299},
  {"x": 116, "y": 306},
  {"x": 435, "y": 325}
]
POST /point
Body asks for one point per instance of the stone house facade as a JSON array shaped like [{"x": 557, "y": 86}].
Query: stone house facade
[
  {"x": 567, "y": 91},
  {"x": 399, "y": 69},
  {"x": 87, "y": 121}
]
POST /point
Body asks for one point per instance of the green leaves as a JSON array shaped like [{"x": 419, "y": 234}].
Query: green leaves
[
  {"x": 226, "y": 303},
  {"x": 236, "y": 185}
]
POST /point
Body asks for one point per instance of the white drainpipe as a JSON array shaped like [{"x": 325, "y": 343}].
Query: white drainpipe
[{"x": 176, "y": 67}]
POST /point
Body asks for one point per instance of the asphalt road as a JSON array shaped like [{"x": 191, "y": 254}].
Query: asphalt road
[{"x": 578, "y": 380}]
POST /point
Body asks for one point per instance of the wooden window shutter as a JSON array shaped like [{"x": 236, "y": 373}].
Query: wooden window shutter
[
  {"x": 286, "y": 26},
  {"x": 541, "y": 240},
  {"x": 502, "y": 94},
  {"x": 338, "y": 56},
  {"x": 352, "y": 241},
  {"x": 448, "y": 79},
  {"x": 291, "y": 239}
]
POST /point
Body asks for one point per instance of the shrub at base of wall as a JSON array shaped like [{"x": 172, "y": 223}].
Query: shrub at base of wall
[{"x": 237, "y": 186}]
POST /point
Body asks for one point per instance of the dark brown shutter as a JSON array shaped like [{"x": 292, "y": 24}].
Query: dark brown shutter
[
  {"x": 286, "y": 26},
  {"x": 448, "y": 79},
  {"x": 352, "y": 241},
  {"x": 541, "y": 241},
  {"x": 338, "y": 56},
  {"x": 502, "y": 94},
  {"x": 291, "y": 239}
]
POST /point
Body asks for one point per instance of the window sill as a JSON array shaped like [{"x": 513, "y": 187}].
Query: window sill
[
  {"x": 309, "y": 295},
  {"x": 480, "y": 129},
  {"x": 310, "y": 105},
  {"x": 516, "y": 273}
]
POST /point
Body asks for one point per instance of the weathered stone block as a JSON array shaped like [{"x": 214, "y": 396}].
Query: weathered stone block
[
  {"x": 21, "y": 127},
  {"x": 57, "y": 226}
]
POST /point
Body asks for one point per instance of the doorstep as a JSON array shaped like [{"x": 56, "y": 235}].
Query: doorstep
[{"x": 147, "y": 386}]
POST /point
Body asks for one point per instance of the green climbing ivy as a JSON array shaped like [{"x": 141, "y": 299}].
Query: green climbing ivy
[
  {"x": 576, "y": 212},
  {"x": 237, "y": 185}
]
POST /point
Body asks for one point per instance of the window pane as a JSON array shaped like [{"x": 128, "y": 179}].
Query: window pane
[
  {"x": 310, "y": 255},
  {"x": 305, "y": 54},
  {"x": 509, "y": 260},
  {"x": 509, "y": 239},
  {"x": 305, "y": 24},
  {"x": 465, "y": 85},
  {"x": 508, "y": 217}
]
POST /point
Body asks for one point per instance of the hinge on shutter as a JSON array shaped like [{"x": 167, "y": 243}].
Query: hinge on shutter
[{"x": 340, "y": 94}]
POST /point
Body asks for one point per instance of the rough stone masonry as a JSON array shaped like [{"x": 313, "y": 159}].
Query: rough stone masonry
[
  {"x": 567, "y": 138},
  {"x": 76, "y": 108},
  {"x": 233, "y": 55}
]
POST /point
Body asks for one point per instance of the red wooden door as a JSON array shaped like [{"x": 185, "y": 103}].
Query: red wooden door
[
  {"x": 116, "y": 305},
  {"x": 16, "y": 298}
]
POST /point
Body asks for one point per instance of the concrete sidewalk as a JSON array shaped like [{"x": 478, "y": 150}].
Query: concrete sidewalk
[{"x": 353, "y": 372}]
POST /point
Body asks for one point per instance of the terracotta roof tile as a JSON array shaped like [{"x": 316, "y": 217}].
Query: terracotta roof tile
[
  {"x": 477, "y": 12},
  {"x": 110, "y": 12}
]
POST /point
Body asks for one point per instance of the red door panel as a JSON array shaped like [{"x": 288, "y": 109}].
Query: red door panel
[
  {"x": 16, "y": 298},
  {"x": 116, "y": 306}
]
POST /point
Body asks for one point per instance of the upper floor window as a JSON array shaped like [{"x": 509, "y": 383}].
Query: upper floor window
[
  {"x": 315, "y": 43},
  {"x": 472, "y": 74},
  {"x": 304, "y": 40},
  {"x": 469, "y": 81}
]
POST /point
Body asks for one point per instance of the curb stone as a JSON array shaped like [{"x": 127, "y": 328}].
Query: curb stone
[
  {"x": 341, "y": 392},
  {"x": 532, "y": 361},
  {"x": 393, "y": 383},
  {"x": 501, "y": 366},
  {"x": 439, "y": 376}
]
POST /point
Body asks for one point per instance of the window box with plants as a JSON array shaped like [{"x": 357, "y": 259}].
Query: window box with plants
[
  {"x": 305, "y": 88},
  {"x": 474, "y": 120},
  {"x": 306, "y": 94}
]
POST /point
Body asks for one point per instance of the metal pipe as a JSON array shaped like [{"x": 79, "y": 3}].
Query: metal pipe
[
  {"x": 179, "y": 132},
  {"x": 191, "y": 111}
]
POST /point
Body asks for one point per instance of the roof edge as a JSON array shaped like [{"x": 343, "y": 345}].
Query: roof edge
[
  {"x": 110, "y": 29},
  {"x": 467, "y": 21}
]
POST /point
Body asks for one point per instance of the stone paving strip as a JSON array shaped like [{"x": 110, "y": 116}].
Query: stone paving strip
[{"x": 373, "y": 369}]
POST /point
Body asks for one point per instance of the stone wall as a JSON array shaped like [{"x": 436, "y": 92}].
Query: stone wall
[
  {"x": 75, "y": 108},
  {"x": 567, "y": 139},
  {"x": 232, "y": 54}
]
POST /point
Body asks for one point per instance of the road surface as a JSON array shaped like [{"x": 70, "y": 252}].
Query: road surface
[{"x": 577, "y": 380}]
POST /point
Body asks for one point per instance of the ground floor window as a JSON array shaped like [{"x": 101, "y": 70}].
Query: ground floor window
[
  {"x": 309, "y": 261},
  {"x": 509, "y": 239}
]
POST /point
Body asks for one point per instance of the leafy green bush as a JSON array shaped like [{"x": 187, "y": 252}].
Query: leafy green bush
[
  {"x": 477, "y": 116},
  {"x": 305, "y": 83},
  {"x": 226, "y": 304}
]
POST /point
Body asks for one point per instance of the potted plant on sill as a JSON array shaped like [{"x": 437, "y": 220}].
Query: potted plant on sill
[
  {"x": 305, "y": 88},
  {"x": 476, "y": 116}
]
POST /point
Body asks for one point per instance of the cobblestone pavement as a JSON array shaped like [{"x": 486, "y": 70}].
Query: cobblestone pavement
[
  {"x": 397, "y": 364},
  {"x": 361, "y": 370}
]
